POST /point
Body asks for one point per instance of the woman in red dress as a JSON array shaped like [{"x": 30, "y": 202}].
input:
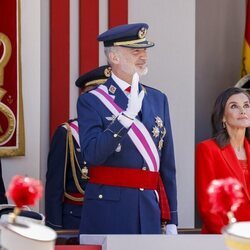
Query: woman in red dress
[{"x": 227, "y": 154}]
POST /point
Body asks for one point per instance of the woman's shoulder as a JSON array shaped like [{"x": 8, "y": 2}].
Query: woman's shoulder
[{"x": 208, "y": 143}]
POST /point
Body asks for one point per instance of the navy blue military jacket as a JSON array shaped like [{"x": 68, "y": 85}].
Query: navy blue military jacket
[
  {"x": 60, "y": 214},
  {"x": 119, "y": 210}
]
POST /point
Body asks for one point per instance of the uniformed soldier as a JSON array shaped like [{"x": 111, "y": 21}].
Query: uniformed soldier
[
  {"x": 67, "y": 172},
  {"x": 125, "y": 135}
]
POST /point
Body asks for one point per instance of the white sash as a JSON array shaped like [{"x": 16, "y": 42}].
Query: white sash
[
  {"x": 74, "y": 130},
  {"x": 137, "y": 132}
]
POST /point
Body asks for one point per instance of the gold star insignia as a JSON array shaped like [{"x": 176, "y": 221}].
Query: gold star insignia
[
  {"x": 155, "y": 131},
  {"x": 158, "y": 121}
]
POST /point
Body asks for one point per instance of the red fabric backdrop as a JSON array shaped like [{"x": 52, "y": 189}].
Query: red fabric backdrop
[{"x": 11, "y": 106}]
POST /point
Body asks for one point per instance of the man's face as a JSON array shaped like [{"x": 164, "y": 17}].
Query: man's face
[{"x": 133, "y": 60}]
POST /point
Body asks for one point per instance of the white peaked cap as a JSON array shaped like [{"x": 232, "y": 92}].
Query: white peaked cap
[
  {"x": 237, "y": 235},
  {"x": 25, "y": 234}
]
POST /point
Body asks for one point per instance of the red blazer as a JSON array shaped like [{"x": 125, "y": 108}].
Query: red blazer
[{"x": 213, "y": 162}]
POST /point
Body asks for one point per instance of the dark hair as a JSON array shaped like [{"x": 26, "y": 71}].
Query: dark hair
[{"x": 219, "y": 132}]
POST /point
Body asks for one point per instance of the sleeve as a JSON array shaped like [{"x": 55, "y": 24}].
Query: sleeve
[
  {"x": 97, "y": 140},
  {"x": 54, "y": 188},
  {"x": 205, "y": 165},
  {"x": 167, "y": 166}
]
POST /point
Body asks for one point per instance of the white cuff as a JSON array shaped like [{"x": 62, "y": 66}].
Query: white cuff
[
  {"x": 125, "y": 121},
  {"x": 171, "y": 229}
]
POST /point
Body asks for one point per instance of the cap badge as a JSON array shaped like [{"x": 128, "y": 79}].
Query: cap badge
[
  {"x": 107, "y": 72},
  {"x": 142, "y": 32},
  {"x": 112, "y": 89}
]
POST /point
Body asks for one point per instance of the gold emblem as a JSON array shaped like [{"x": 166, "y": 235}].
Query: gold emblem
[
  {"x": 112, "y": 89},
  {"x": 7, "y": 131},
  {"x": 155, "y": 131},
  {"x": 142, "y": 32},
  {"x": 107, "y": 72},
  {"x": 4, "y": 59}
]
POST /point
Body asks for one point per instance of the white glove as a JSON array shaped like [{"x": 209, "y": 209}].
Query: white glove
[
  {"x": 135, "y": 99},
  {"x": 171, "y": 229}
]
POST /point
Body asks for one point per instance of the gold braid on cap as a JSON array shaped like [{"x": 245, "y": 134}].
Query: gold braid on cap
[
  {"x": 107, "y": 73},
  {"x": 94, "y": 82},
  {"x": 130, "y": 42}
]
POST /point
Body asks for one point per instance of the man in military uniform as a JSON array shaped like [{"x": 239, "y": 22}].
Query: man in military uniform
[
  {"x": 125, "y": 135},
  {"x": 67, "y": 171}
]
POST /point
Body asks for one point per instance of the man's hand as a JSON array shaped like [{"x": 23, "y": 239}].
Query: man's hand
[{"x": 135, "y": 99}]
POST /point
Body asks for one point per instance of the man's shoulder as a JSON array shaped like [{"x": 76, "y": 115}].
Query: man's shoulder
[{"x": 152, "y": 90}]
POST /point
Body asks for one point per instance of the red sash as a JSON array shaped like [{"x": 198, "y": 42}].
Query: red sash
[{"x": 135, "y": 178}]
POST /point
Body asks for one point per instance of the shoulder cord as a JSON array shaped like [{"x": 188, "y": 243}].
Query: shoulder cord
[{"x": 70, "y": 145}]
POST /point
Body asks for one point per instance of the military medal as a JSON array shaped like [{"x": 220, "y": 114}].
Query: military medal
[
  {"x": 159, "y": 131},
  {"x": 155, "y": 131},
  {"x": 159, "y": 121}
]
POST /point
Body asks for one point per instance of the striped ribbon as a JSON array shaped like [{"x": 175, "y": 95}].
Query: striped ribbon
[{"x": 138, "y": 133}]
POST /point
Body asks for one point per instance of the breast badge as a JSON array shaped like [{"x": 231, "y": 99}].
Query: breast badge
[
  {"x": 159, "y": 131},
  {"x": 112, "y": 89}
]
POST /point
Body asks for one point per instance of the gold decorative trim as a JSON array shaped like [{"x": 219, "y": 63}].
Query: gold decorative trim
[
  {"x": 19, "y": 149},
  {"x": 11, "y": 124},
  {"x": 130, "y": 42},
  {"x": 73, "y": 159},
  {"x": 7, "y": 49},
  {"x": 94, "y": 82}
]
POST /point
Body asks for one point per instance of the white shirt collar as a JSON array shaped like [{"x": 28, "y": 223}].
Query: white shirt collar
[{"x": 122, "y": 84}]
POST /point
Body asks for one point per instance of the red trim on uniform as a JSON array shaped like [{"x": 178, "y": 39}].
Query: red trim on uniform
[
  {"x": 59, "y": 62},
  {"x": 88, "y": 32},
  {"x": 132, "y": 178},
  {"x": 118, "y": 12}
]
